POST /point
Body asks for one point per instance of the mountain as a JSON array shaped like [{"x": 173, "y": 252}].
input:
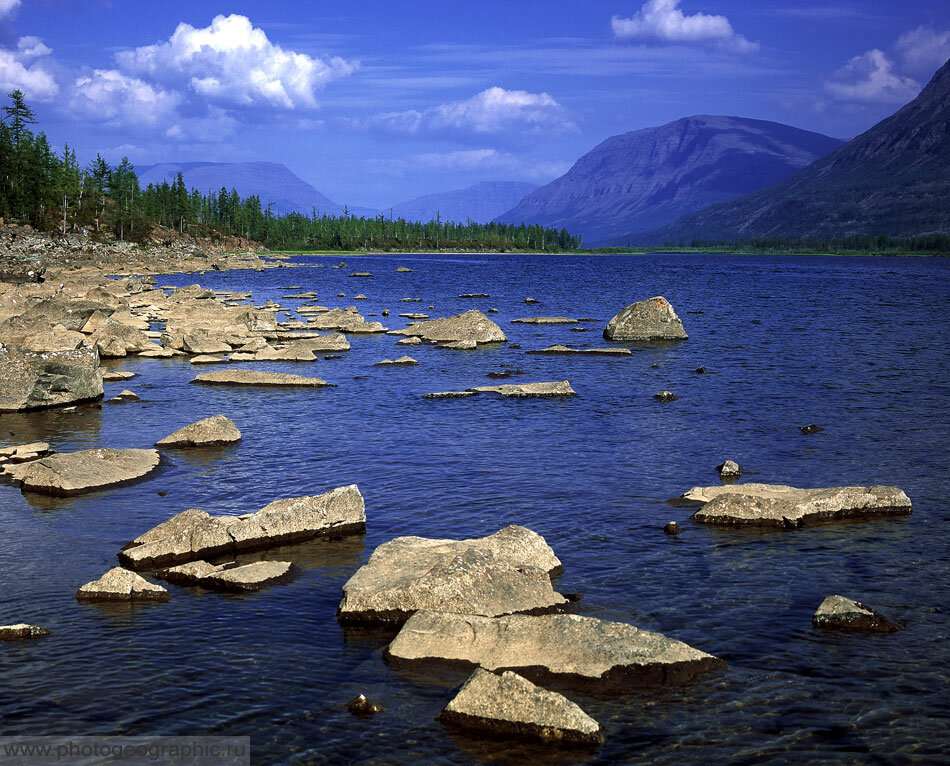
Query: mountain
[
  {"x": 270, "y": 181},
  {"x": 480, "y": 202},
  {"x": 893, "y": 179},
  {"x": 647, "y": 178}
]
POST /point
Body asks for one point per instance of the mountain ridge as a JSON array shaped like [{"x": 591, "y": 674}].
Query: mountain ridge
[{"x": 481, "y": 202}]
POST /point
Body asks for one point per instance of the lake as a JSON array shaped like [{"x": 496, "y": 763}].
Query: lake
[{"x": 855, "y": 345}]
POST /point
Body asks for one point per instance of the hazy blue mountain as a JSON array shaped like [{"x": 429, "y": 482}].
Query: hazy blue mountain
[
  {"x": 893, "y": 179},
  {"x": 270, "y": 181},
  {"x": 481, "y": 202},
  {"x": 646, "y": 178}
]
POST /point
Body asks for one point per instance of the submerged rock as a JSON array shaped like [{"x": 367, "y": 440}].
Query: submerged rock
[
  {"x": 120, "y": 584},
  {"x": 810, "y": 429},
  {"x": 116, "y": 375},
  {"x": 671, "y": 528},
  {"x": 729, "y": 469},
  {"x": 194, "y": 534},
  {"x": 413, "y": 341},
  {"x": 237, "y": 377},
  {"x": 544, "y": 320},
  {"x": 208, "y": 432},
  {"x": 557, "y": 388},
  {"x": 450, "y": 395},
  {"x": 509, "y": 571},
  {"x": 209, "y": 359},
  {"x": 73, "y": 473},
  {"x": 665, "y": 396},
  {"x": 230, "y": 577},
  {"x": 840, "y": 613},
  {"x": 22, "y": 632},
  {"x": 652, "y": 319},
  {"x": 581, "y": 651},
  {"x": 403, "y": 360},
  {"x": 32, "y": 381},
  {"x": 782, "y": 506},
  {"x": 559, "y": 349},
  {"x": 507, "y": 704},
  {"x": 472, "y": 326},
  {"x": 361, "y": 706},
  {"x": 126, "y": 396}
]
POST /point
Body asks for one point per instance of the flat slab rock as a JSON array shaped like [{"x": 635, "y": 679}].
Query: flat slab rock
[
  {"x": 782, "y": 506},
  {"x": 22, "y": 632},
  {"x": 24, "y": 453},
  {"x": 508, "y": 705},
  {"x": 120, "y": 584},
  {"x": 242, "y": 579},
  {"x": 252, "y": 378},
  {"x": 556, "y": 388},
  {"x": 652, "y": 319},
  {"x": 194, "y": 534},
  {"x": 840, "y": 613},
  {"x": 558, "y": 349},
  {"x": 581, "y": 651},
  {"x": 471, "y": 326},
  {"x": 73, "y": 473},
  {"x": 208, "y": 432},
  {"x": 544, "y": 320},
  {"x": 509, "y": 571}
]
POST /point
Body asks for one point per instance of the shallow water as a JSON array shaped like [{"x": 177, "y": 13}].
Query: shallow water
[{"x": 856, "y": 345}]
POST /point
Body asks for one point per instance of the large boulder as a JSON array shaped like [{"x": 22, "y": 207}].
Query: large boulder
[
  {"x": 840, "y": 613},
  {"x": 511, "y": 706},
  {"x": 251, "y": 378},
  {"x": 507, "y": 572},
  {"x": 345, "y": 320},
  {"x": 120, "y": 584},
  {"x": 74, "y": 473},
  {"x": 471, "y": 326},
  {"x": 30, "y": 381},
  {"x": 208, "y": 432},
  {"x": 586, "y": 652},
  {"x": 194, "y": 534},
  {"x": 652, "y": 319},
  {"x": 116, "y": 340},
  {"x": 782, "y": 506}
]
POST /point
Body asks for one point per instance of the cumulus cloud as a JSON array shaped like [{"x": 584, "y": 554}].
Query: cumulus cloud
[
  {"x": 27, "y": 68},
  {"x": 111, "y": 97},
  {"x": 217, "y": 125},
  {"x": 871, "y": 78},
  {"x": 494, "y": 111},
  {"x": 231, "y": 62},
  {"x": 8, "y": 6},
  {"x": 661, "y": 21},
  {"x": 923, "y": 50}
]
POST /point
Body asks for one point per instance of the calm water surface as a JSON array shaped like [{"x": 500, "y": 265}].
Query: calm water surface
[{"x": 856, "y": 345}]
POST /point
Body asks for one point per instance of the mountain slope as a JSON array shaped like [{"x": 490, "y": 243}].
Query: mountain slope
[
  {"x": 893, "y": 179},
  {"x": 480, "y": 202},
  {"x": 646, "y": 178},
  {"x": 270, "y": 181}
]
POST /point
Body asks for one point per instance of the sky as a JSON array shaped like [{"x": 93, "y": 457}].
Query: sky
[{"x": 378, "y": 102}]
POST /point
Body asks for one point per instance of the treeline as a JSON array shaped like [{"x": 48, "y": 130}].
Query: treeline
[
  {"x": 881, "y": 244},
  {"x": 52, "y": 192}
]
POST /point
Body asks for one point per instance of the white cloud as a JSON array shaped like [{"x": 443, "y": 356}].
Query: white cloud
[
  {"x": 494, "y": 111},
  {"x": 111, "y": 97},
  {"x": 217, "y": 125},
  {"x": 661, "y": 21},
  {"x": 8, "y": 6},
  {"x": 477, "y": 160},
  {"x": 870, "y": 78},
  {"x": 26, "y": 68},
  {"x": 232, "y": 62},
  {"x": 923, "y": 50}
]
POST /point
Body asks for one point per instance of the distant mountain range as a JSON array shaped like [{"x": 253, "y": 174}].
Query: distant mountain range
[
  {"x": 270, "y": 181},
  {"x": 893, "y": 179},
  {"x": 480, "y": 203},
  {"x": 643, "y": 179}
]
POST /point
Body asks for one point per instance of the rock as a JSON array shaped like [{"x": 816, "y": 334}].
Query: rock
[
  {"x": 22, "y": 632},
  {"x": 652, "y": 319},
  {"x": 209, "y": 432},
  {"x": 509, "y": 571},
  {"x": 460, "y": 345},
  {"x": 237, "y": 377},
  {"x": 665, "y": 396},
  {"x": 120, "y": 584},
  {"x": 344, "y": 320},
  {"x": 531, "y": 300},
  {"x": 544, "y": 320},
  {"x": 194, "y": 534},
  {"x": 511, "y": 706},
  {"x": 20, "y": 270},
  {"x": 159, "y": 353},
  {"x": 209, "y": 359},
  {"x": 385, "y": 312},
  {"x": 359, "y": 297},
  {"x": 116, "y": 375},
  {"x": 31, "y": 381},
  {"x": 589, "y": 351},
  {"x": 671, "y": 528},
  {"x": 293, "y": 353},
  {"x": 240, "y": 579},
  {"x": 414, "y": 316},
  {"x": 840, "y": 613},
  {"x": 782, "y": 506},
  {"x": 729, "y": 469},
  {"x": 114, "y": 340},
  {"x": 701, "y": 371},
  {"x": 810, "y": 429},
  {"x": 450, "y": 395},
  {"x": 403, "y": 270},
  {"x": 24, "y": 453},
  {"x": 474, "y": 295},
  {"x": 472, "y": 326},
  {"x": 191, "y": 573},
  {"x": 403, "y": 360},
  {"x": 125, "y": 396},
  {"x": 413, "y": 341},
  {"x": 558, "y": 388},
  {"x": 361, "y": 274},
  {"x": 587, "y": 652},
  {"x": 360, "y": 705},
  {"x": 73, "y": 473}
]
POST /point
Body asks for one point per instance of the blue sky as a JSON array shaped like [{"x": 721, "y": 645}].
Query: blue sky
[{"x": 377, "y": 102}]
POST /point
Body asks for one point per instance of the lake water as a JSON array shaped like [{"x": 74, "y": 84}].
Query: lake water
[{"x": 856, "y": 345}]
